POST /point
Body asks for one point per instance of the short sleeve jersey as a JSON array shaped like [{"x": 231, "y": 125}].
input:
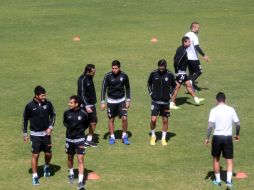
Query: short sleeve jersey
[
  {"x": 191, "y": 52},
  {"x": 223, "y": 116}
]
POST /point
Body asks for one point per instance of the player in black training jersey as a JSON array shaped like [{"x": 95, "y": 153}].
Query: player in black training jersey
[
  {"x": 76, "y": 122},
  {"x": 41, "y": 116},
  {"x": 116, "y": 84},
  {"x": 180, "y": 65}
]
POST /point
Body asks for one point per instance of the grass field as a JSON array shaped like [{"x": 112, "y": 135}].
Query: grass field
[{"x": 36, "y": 47}]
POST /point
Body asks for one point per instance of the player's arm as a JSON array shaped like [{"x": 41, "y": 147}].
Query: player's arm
[
  {"x": 52, "y": 117},
  {"x": 149, "y": 84},
  {"x": 200, "y": 51},
  {"x": 210, "y": 127},
  {"x": 81, "y": 91},
  {"x": 128, "y": 92},
  {"x": 103, "y": 92},
  {"x": 26, "y": 116},
  {"x": 237, "y": 131}
]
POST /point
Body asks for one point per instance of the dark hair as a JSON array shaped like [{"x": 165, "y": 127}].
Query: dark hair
[
  {"x": 193, "y": 23},
  {"x": 221, "y": 97},
  {"x": 89, "y": 68},
  {"x": 184, "y": 39},
  {"x": 116, "y": 63},
  {"x": 162, "y": 63},
  {"x": 39, "y": 90},
  {"x": 76, "y": 98}
]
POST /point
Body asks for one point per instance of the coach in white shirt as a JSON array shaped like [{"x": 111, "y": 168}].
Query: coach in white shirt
[
  {"x": 221, "y": 118},
  {"x": 194, "y": 66}
]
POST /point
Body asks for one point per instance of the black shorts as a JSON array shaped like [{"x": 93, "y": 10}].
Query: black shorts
[
  {"x": 160, "y": 109},
  {"x": 75, "y": 148},
  {"x": 41, "y": 144},
  {"x": 182, "y": 78},
  {"x": 118, "y": 109},
  {"x": 194, "y": 66},
  {"x": 93, "y": 116},
  {"x": 222, "y": 144}
]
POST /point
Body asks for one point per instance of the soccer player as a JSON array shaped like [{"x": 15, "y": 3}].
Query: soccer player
[
  {"x": 76, "y": 121},
  {"x": 116, "y": 84},
  {"x": 161, "y": 84},
  {"x": 86, "y": 92},
  {"x": 194, "y": 66},
  {"x": 221, "y": 118},
  {"x": 180, "y": 65},
  {"x": 41, "y": 116}
]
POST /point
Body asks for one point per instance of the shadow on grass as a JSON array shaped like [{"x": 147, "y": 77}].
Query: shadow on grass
[
  {"x": 53, "y": 170},
  {"x": 159, "y": 135},
  {"x": 118, "y": 134},
  {"x": 181, "y": 100},
  {"x": 223, "y": 175}
]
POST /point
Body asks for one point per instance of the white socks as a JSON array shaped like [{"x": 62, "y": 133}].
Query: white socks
[
  {"x": 229, "y": 176},
  {"x": 80, "y": 177},
  {"x": 89, "y": 138},
  {"x": 217, "y": 176},
  {"x": 164, "y": 133},
  {"x": 153, "y": 133},
  {"x": 112, "y": 136},
  {"x": 71, "y": 171},
  {"x": 35, "y": 175}
]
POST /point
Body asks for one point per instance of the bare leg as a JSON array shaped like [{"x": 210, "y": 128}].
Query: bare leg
[
  {"x": 111, "y": 127},
  {"x": 34, "y": 162},
  {"x": 153, "y": 122},
  {"x": 164, "y": 124},
  {"x": 80, "y": 164},
  {"x": 48, "y": 156},
  {"x": 70, "y": 161},
  {"x": 173, "y": 98},
  {"x": 190, "y": 88},
  {"x": 124, "y": 124}
]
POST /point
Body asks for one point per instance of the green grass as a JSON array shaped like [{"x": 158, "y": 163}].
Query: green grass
[{"x": 36, "y": 48}]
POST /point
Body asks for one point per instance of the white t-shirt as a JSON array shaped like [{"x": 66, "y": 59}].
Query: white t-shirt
[
  {"x": 223, "y": 116},
  {"x": 191, "y": 52}
]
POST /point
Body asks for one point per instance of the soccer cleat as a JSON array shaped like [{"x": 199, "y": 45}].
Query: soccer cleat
[
  {"x": 153, "y": 141},
  {"x": 173, "y": 106},
  {"x": 90, "y": 143},
  {"x": 46, "y": 171},
  {"x": 112, "y": 140},
  {"x": 164, "y": 142},
  {"x": 216, "y": 183},
  {"x": 125, "y": 140},
  {"x": 229, "y": 185},
  {"x": 35, "y": 181},
  {"x": 81, "y": 186},
  {"x": 71, "y": 179},
  {"x": 198, "y": 100}
]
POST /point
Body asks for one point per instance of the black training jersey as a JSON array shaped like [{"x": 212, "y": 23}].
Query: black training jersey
[
  {"x": 180, "y": 59},
  {"x": 40, "y": 115},
  {"x": 86, "y": 90},
  {"x": 116, "y": 86},
  {"x": 76, "y": 122},
  {"x": 161, "y": 86}
]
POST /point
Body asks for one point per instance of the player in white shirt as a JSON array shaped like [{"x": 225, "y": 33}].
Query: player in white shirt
[
  {"x": 194, "y": 66},
  {"x": 221, "y": 118}
]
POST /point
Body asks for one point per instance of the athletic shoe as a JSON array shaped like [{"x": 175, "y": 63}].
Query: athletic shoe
[
  {"x": 46, "y": 171},
  {"x": 125, "y": 140},
  {"x": 90, "y": 143},
  {"x": 198, "y": 100},
  {"x": 35, "y": 181},
  {"x": 173, "y": 106},
  {"x": 216, "y": 183},
  {"x": 81, "y": 186},
  {"x": 71, "y": 179},
  {"x": 112, "y": 141},
  {"x": 164, "y": 142},
  {"x": 153, "y": 141},
  {"x": 229, "y": 185}
]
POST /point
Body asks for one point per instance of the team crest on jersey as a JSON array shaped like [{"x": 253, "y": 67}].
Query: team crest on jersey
[
  {"x": 79, "y": 117},
  {"x": 121, "y": 78},
  {"x": 88, "y": 84},
  {"x": 45, "y": 107},
  {"x": 166, "y": 79}
]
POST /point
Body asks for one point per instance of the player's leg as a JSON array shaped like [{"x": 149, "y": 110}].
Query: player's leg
[
  {"x": 154, "y": 114},
  {"x": 216, "y": 152},
  {"x": 197, "y": 70},
  {"x": 164, "y": 112},
  {"x": 70, "y": 151},
  {"x": 192, "y": 93},
  {"x": 36, "y": 144},
  {"x": 111, "y": 119},
  {"x": 92, "y": 127},
  {"x": 228, "y": 155},
  {"x": 48, "y": 154},
  {"x": 173, "y": 98},
  {"x": 122, "y": 112},
  {"x": 80, "y": 158}
]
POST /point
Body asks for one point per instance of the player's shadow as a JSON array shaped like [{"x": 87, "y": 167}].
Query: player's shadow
[
  {"x": 53, "y": 169},
  {"x": 181, "y": 100},
  {"x": 86, "y": 173},
  {"x": 223, "y": 175},
  {"x": 96, "y": 138},
  {"x": 118, "y": 134},
  {"x": 159, "y": 135}
]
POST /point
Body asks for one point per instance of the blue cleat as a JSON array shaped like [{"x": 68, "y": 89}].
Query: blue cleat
[
  {"x": 216, "y": 183},
  {"x": 125, "y": 140},
  {"x": 46, "y": 171},
  {"x": 112, "y": 141},
  {"x": 35, "y": 181}
]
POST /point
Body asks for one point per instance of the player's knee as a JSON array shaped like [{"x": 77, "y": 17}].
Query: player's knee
[
  {"x": 153, "y": 119},
  {"x": 124, "y": 118}
]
